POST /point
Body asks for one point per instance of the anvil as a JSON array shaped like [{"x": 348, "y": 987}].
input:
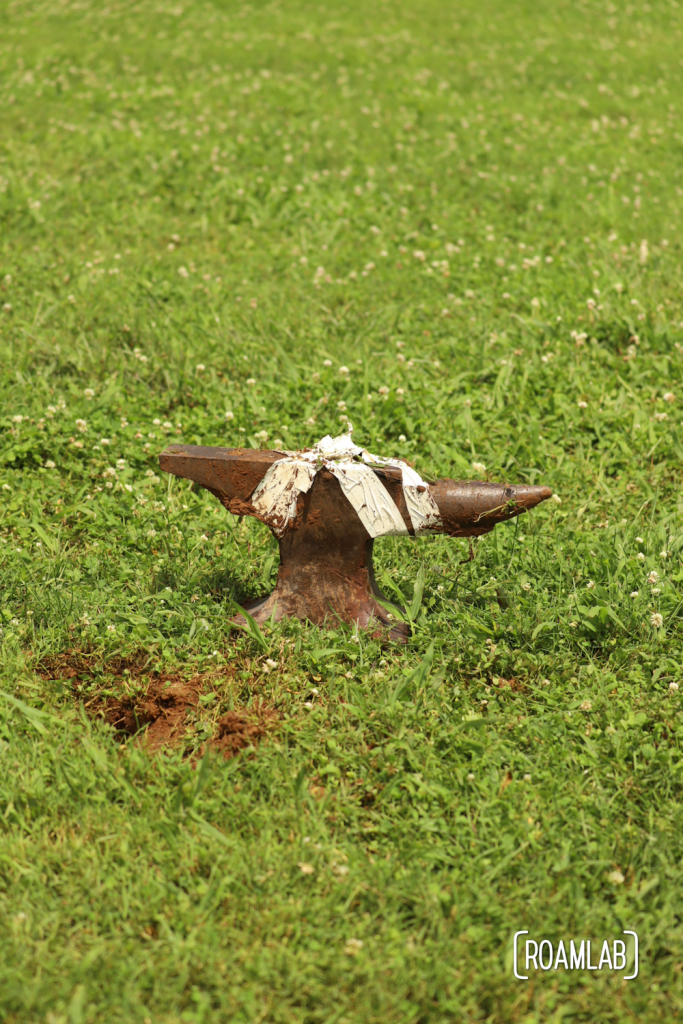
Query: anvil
[{"x": 326, "y": 525}]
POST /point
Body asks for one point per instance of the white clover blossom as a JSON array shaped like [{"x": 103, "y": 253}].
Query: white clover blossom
[
  {"x": 656, "y": 620},
  {"x": 478, "y": 467},
  {"x": 353, "y": 947},
  {"x": 82, "y": 426},
  {"x": 50, "y": 464}
]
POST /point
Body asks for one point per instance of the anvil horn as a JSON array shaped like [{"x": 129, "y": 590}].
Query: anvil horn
[{"x": 471, "y": 507}]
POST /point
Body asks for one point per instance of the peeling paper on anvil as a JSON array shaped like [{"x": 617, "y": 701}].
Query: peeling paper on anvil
[
  {"x": 276, "y": 496},
  {"x": 374, "y": 505}
]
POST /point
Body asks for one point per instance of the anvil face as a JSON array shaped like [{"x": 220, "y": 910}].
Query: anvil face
[{"x": 326, "y": 526}]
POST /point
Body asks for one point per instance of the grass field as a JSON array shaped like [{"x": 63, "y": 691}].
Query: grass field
[{"x": 207, "y": 211}]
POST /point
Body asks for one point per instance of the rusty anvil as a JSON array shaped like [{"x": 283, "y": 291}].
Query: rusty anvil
[{"x": 325, "y": 550}]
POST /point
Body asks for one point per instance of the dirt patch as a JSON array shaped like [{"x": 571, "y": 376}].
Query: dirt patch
[
  {"x": 515, "y": 685},
  {"x": 239, "y": 729},
  {"x": 162, "y": 710},
  {"x": 82, "y": 664},
  {"x": 161, "y": 707}
]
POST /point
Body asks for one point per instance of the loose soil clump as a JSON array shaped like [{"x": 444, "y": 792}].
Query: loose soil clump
[
  {"x": 240, "y": 729},
  {"x": 162, "y": 710}
]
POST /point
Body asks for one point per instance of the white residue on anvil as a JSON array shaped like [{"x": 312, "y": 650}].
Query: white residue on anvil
[{"x": 276, "y": 496}]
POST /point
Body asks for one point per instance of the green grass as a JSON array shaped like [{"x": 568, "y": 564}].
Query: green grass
[{"x": 207, "y": 209}]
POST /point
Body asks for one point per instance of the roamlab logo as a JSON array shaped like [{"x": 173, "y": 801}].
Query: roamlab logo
[{"x": 575, "y": 955}]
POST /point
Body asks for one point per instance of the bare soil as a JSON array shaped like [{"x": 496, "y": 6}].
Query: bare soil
[{"x": 160, "y": 707}]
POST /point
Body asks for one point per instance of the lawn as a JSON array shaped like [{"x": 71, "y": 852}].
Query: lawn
[{"x": 459, "y": 228}]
